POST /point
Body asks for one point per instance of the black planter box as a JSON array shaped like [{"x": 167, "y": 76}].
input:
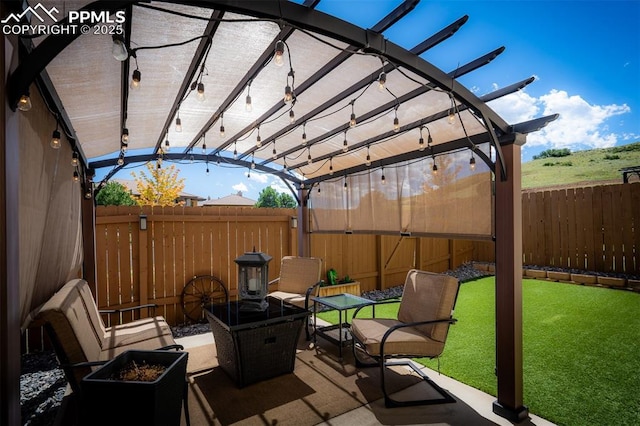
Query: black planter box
[{"x": 105, "y": 401}]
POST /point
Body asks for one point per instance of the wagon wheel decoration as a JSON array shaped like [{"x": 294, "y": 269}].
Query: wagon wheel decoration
[{"x": 198, "y": 293}]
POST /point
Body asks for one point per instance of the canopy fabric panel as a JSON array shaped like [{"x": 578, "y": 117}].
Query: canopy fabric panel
[{"x": 409, "y": 198}]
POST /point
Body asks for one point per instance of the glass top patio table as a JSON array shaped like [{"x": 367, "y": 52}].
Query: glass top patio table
[{"x": 343, "y": 301}]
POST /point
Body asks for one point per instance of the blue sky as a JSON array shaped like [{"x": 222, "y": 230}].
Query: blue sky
[{"x": 585, "y": 56}]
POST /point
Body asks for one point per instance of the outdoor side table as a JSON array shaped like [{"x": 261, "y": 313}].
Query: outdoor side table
[
  {"x": 340, "y": 333},
  {"x": 256, "y": 345}
]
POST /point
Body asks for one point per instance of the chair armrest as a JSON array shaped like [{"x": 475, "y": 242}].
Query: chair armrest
[
  {"x": 273, "y": 281},
  {"x": 308, "y": 293},
  {"x": 133, "y": 308},
  {"x": 177, "y": 347},
  {"x": 383, "y": 302}
]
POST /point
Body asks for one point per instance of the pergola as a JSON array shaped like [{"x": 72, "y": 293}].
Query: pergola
[{"x": 345, "y": 117}]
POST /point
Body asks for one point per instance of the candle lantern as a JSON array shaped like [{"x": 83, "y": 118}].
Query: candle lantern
[{"x": 253, "y": 280}]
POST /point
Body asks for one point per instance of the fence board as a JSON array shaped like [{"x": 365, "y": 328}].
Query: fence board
[
  {"x": 572, "y": 235},
  {"x": 626, "y": 216}
]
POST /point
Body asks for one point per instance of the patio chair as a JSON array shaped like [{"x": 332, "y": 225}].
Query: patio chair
[
  {"x": 299, "y": 280},
  {"x": 80, "y": 338},
  {"x": 424, "y": 316}
]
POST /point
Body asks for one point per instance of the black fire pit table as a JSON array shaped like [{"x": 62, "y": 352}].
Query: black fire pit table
[{"x": 256, "y": 345}]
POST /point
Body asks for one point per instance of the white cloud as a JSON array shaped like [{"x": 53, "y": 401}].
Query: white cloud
[
  {"x": 259, "y": 177},
  {"x": 240, "y": 187},
  {"x": 580, "y": 125}
]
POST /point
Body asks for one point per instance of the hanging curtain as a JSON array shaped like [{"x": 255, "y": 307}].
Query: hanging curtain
[
  {"x": 454, "y": 201},
  {"x": 50, "y": 220}
]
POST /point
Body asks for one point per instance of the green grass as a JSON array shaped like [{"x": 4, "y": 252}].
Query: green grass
[
  {"x": 581, "y": 361},
  {"x": 580, "y": 167}
]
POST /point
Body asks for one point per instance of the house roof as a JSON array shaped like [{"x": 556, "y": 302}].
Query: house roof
[
  {"x": 230, "y": 200},
  {"x": 131, "y": 186}
]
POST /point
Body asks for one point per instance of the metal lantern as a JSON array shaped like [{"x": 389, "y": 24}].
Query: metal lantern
[{"x": 253, "y": 280}]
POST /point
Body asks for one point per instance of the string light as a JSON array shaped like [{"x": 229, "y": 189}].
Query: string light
[
  {"x": 382, "y": 81},
  {"x": 135, "y": 79},
  {"x": 309, "y": 159},
  {"x": 330, "y": 166},
  {"x": 396, "y": 122},
  {"x": 292, "y": 116},
  {"x": 352, "y": 120},
  {"x": 24, "y": 104},
  {"x": 345, "y": 183},
  {"x": 421, "y": 140},
  {"x": 248, "y": 106},
  {"x": 279, "y": 52},
  {"x": 383, "y": 180},
  {"x": 204, "y": 144},
  {"x": 434, "y": 168},
  {"x": 275, "y": 154},
  {"x": 258, "y": 139},
  {"x": 125, "y": 136},
  {"x": 178, "y": 123},
  {"x": 207, "y": 170},
  {"x": 345, "y": 144},
  {"x": 368, "y": 162},
  {"x": 288, "y": 94},
  {"x": 76, "y": 176},
  {"x": 235, "y": 151},
  {"x": 222, "y": 125},
  {"x": 74, "y": 159},
  {"x": 167, "y": 147},
  {"x": 472, "y": 162},
  {"x": 304, "y": 134},
  {"x": 123, "y": 147},
  {"x": 55, "y": 138},
  {"x": 200, "y": 96},
  {"x": 253, "y": 163},
  {"x": 120, "y": 161},
  {"x": 119, "y": 49},
  {"x": 452, "y": 111}
]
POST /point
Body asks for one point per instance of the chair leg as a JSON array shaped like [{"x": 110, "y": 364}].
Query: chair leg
[{"x": 392, "y": 403}]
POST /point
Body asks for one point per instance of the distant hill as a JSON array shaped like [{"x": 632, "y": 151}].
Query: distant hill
[{"x": 578, "y": 167}]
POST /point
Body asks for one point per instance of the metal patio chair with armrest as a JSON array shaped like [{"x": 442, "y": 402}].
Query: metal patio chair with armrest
[
  {"x": 424, "y": 317},
  {"x": 80, "y": 338},
  {"x": 299, "y": 280}
]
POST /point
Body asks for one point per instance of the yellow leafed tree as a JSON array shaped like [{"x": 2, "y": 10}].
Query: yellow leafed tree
[{"x": 161, "y": 187}]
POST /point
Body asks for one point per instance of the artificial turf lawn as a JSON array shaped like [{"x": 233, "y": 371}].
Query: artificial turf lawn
[{"x": 580, "y": 349}]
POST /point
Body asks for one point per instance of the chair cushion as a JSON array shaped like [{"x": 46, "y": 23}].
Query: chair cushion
[
  {"x": 427, "y": 297},
  {"x": 142, "y": 334},
  {"x": 405, "y": 341}
]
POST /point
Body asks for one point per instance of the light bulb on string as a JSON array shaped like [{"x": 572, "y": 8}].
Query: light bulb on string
[
  {"x": 74, "y": 159},
  {"x": 396, "y": 122},
  {"x": 55, "y": 139},
  {"x": 352, "y": 119},
  {"x": 309, "y": 159},
  {"x": 125, "y": 135},
  {"x": 200, "y": 96},
  {"x": 204, "y": 144},
  {"x": 235, "y": 151},
  {"x": 178, "y": 124},
  {"x": 221, "y": 125},
  {"x": 345, "y": 144},
  {"x": 304, "y": 134},
  {"x": 368, "y": 162},
  {"x": 248, "y": 106},
  {"x": 278, "y": 59},
  {"x": 292, "y": 116},
  {"x": 382, "y": 81},
  {"x": 383, "y": 180},
  {"x": 120, "y": 161},
  {"x": 331, "y": 166},
  {"x": 258, "y": 139},
  {"x": 288, "y": 94},
  {"x": 119, "y": 49},
  {"x": 76, "y": 176},
  {"x": 167, "y": 146},
  {"x": 253, "y": 163},
  {"x": 472, "y": 162},
  {"x": 275, "y": 154},
  {"x": 24, "y": 103},
  {"x": 434, "y": 168},
  {"x": 135, "y": 79}
]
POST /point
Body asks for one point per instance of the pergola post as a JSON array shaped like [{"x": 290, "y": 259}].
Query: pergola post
[
  {"x": 304, "y": 227},
  {"x": 508, "y": 224}
]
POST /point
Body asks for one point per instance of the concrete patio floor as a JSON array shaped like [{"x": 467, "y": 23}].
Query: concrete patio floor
[{"x": 377, "y": 414}]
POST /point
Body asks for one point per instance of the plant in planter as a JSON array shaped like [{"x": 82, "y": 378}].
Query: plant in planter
[{"x": 345, "y": 280}]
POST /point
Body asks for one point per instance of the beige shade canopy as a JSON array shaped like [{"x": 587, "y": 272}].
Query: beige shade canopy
[{"x": 422, "y": 116}]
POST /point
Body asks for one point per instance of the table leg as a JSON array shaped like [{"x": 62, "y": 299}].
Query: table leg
[{"x": 315, "y": 321}]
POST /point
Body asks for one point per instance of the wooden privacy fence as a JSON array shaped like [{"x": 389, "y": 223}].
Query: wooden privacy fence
[
  {"x": 595, "y": 228},
  {"x": 137, "y": 266}
]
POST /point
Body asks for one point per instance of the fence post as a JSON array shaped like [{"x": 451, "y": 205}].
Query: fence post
[{"x": 143, "y": 261}]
